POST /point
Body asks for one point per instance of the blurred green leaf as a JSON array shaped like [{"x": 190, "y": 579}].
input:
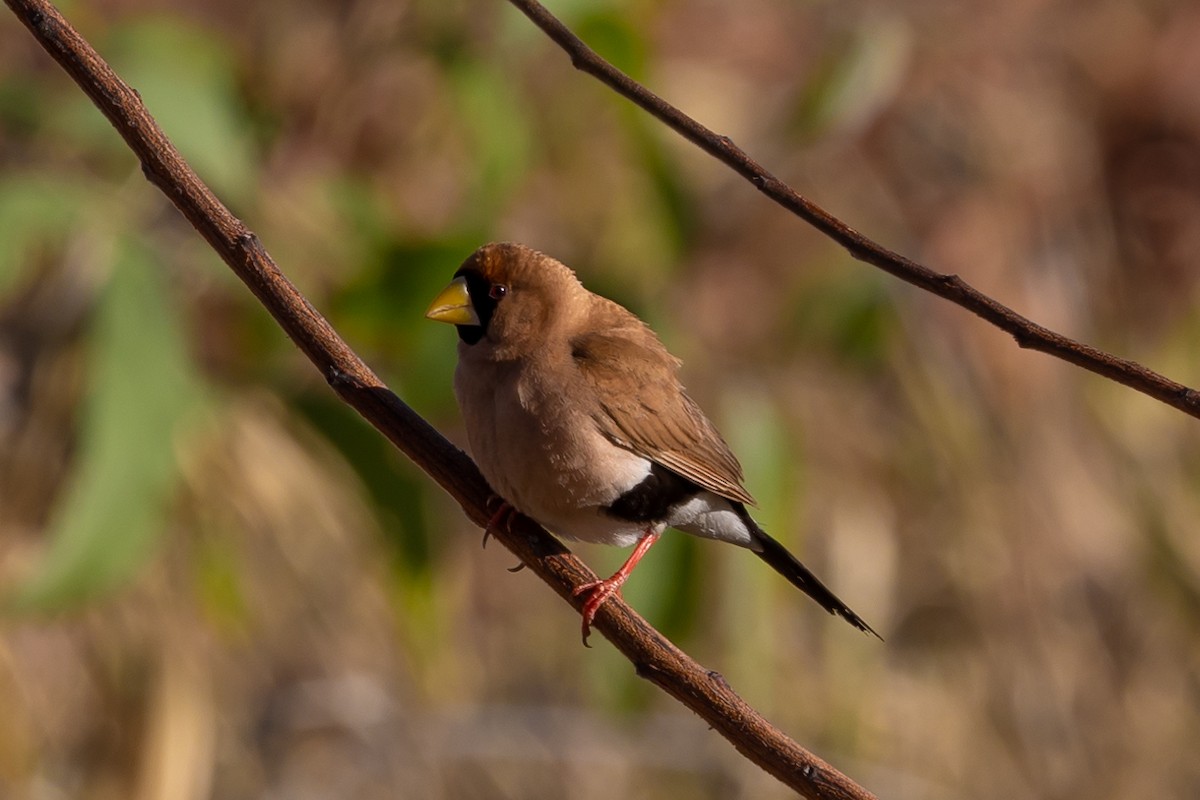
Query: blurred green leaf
[
  {"x": 20, "y": 110},
  {"x": 221, "y": 592},
  {"x": 35, "y": 210},
  {"x": 383, "y": 312},
  {"x": 390, "y": 294},
  {"x": 613, "y": 33},
  {"x": 501, "y": 140},
  {"x": 848, "y": 312},
  {"x": 757, "y": 433},
  {"x": 773, "y": 464},
  {"x": 679, "y": 216},
  {"x": 669, "y": 592},
  {"x": 398, "y": 489},
  {"x": 858, "y": 73},
  {"x": 185, "y": 76},
  {"x": 142, "y": 388}
]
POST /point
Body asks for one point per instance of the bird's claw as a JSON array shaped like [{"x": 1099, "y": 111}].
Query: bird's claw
[
  {"x": 597, "y": 593},
  {"x": 503, "y": 514}
]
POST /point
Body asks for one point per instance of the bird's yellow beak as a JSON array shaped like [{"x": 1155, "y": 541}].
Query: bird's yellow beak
[{"x": 453, "y": 305}]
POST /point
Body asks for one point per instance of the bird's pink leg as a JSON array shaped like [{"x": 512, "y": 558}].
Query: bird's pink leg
[{"x": 599, "y": 591}]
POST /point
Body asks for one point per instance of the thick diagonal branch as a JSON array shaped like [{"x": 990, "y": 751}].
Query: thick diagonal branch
[
  {"x": 1027, "y": 333},
  {"x": 653, "y": 656}
]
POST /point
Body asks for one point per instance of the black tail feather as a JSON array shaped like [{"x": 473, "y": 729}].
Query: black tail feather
[{"x": 790, "y": 567}]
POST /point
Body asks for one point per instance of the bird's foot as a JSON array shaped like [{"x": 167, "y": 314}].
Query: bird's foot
[
  {"x": 501, "y": 516},
  {"x": 597, "y": 593}
]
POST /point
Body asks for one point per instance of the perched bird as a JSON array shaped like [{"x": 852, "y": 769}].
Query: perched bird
[{"x": 576, "y": 416}]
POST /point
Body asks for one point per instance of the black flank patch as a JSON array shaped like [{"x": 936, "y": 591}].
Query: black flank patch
[{"x": 653, "y": 498}]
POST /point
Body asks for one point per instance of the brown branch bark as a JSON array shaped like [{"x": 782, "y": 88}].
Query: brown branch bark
[
  {"x": 654, "y": 658},
  {"x": 1028, "y": 334}
]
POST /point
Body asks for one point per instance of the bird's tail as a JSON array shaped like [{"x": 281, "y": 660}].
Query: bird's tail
[{"x": 790, "y": 567}]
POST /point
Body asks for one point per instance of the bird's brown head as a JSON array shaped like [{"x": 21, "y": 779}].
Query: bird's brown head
[{"x": 508, "y": 296}]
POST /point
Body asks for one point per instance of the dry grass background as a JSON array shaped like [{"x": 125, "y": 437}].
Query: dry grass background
[{"x": 317, "y": 622}]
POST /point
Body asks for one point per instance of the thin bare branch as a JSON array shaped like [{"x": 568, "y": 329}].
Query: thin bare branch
[
  {"x": 1027, "y": 333},
  {"x": 654, "y": 658}
]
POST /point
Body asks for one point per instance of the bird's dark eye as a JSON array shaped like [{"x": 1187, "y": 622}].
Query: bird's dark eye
[{"x": 497, "y": 291}]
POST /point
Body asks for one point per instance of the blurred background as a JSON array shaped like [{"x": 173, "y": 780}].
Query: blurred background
[{"x": 218, "y": 582}]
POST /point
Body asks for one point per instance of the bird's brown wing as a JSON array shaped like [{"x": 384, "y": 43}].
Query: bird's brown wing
[{"x": 641, "y": 406}]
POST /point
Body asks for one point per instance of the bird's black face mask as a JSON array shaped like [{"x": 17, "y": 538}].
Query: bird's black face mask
[{"x": 482, "y": 300}]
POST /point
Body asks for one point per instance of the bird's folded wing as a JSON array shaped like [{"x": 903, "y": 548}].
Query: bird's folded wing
[{"x": 641, "y": 406}]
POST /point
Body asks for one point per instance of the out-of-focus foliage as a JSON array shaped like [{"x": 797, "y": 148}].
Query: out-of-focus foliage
[
  {"x": 142, "y": 388},
  {"x": 234, "y": 588}
]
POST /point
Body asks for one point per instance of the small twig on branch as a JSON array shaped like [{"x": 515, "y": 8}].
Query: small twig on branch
[
  {"x": 1027, "y": 333},
  {"x": 654, "y": 658}
]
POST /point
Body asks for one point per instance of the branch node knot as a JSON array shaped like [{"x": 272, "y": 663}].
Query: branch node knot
[
  {"x": 337, "y": 378},
  {"x": 718, "y": 679}
]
